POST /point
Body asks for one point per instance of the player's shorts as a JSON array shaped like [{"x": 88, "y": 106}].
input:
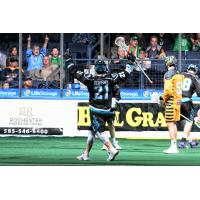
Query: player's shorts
[
  {"x": 172, "y": 111},
  {"x": 187, "y": 109},
  {"x": 98, "y": 121}
]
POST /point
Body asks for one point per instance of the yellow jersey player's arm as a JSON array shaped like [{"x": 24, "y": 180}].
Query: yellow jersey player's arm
[{"x": 168, "y": 86}]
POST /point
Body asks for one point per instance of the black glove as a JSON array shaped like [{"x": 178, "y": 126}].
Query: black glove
[{"x": 131, "y": 59}]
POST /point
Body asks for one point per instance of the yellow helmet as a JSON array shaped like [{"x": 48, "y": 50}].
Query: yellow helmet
[{"x": 170, "y": 61}]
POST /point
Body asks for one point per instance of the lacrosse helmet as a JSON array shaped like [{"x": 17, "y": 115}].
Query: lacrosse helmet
[
  {"x": 101, "y": 67},
  {"x": 193, "y": 68},
  {"x": 170, "y": 61}
]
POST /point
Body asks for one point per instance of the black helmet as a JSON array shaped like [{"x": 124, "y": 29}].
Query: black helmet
[
  {"x": 101, "y": 67},
  {"x": 193, "y": 68}
]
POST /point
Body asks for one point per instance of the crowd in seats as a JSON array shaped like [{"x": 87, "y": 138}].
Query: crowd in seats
[
  {"x": 40, "y": 69},
  {"x": 42, "y": 60}
]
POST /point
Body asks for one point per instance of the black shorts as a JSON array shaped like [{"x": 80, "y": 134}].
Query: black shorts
[
  {"x": 98, "y": 121},
  {"x": 187, "y": 109}
]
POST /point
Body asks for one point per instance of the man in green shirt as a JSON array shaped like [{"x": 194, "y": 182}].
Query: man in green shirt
[
  {"x": 55, "y": 58},
  {"x": 185, "y": 43},
  {"x": 133, "y": 47}
]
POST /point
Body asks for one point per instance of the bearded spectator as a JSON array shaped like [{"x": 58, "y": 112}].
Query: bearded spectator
[
  {"x": 44, "y": 73},
  {"x": 35, "y": 56}
]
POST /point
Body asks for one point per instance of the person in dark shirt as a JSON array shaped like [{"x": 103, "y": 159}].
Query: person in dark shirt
[
  {"x": 153, "y": 50},
  {"x": 191, "y": 84},
  {"x": 100, "y": 88},
  {"x": 165, "y": 40}
]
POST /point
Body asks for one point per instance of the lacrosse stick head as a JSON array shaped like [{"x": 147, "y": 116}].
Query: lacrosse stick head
[{"x": 120, "y": 42}]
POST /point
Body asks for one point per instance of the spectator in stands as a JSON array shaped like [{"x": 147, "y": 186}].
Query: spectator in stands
[
  {"x": 6, "y": 85},
  {"x": 162, "y": 54},
  {"x": 185, "y": 44},
  {"x": 84, "y": 38},
  {"x": 133, "y": 47},
  {"x": 143, "y": 60},
  {"x": 87, "y": 40},
  {"x": 165, "y": 40},
  {"x": 44, "y": 73},
  {"x": 55, "y": 58},
  {"x": 28, "y": 83},
  {"x": 11, "y": 72},
  {"x": 34, "y": 57},
  {"x": 153, "y": 50},
  {"x": 196, "y": 42},
  {"x": 2, "y": 59},
  {"x": 121, "y": 55},
  {"x": 13, "y": 52},
  {"x": 142, "y": 40}
]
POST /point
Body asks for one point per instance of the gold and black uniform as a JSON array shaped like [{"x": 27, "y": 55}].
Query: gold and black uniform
[{"x": 173, "y": 82}]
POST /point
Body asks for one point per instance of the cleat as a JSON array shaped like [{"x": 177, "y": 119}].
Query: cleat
[
  {"x": 112, "y": 154},
  {"x": 116, "y": 145},
  {"x": 171, "y": 150},
  {"x": 194, "y": 143},
  {"x": 182, "y": 145},
  {"x": 104, "y": 148},
  {"x": 83, "y": 157}
]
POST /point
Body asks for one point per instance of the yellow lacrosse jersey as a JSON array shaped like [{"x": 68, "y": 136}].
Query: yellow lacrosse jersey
[{"x": 173, "y": 82}]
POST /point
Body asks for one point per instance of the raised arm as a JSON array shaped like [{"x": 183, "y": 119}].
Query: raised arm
[
  {"x": 79, "y": 75},
  {"x": 29, "y": 42},
  {"x": 46, "y": 40},
  {"x": 124, "y": 74}
]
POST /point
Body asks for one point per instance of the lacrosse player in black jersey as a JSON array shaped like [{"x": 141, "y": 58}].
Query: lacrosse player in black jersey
[
  {"x": 191, "y": 84},
  {"x": 100, "y": 88}
]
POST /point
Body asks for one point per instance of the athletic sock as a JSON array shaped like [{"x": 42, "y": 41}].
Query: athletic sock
[
  {"x": 114, "y": 140},
  {"x": 190, "y": 139},
  {"x": 173, "y": 143}
]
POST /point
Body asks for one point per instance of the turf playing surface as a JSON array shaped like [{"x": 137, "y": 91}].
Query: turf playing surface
[{"x": 63, "y": 151}]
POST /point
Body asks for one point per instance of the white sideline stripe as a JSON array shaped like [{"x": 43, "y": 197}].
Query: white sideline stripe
[{"x": 144, "y": 135}]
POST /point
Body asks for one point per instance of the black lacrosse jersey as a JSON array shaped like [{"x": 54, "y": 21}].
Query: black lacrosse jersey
[
  {"x": 101, "y": 88},
  {"x": 191, "y": 84}
]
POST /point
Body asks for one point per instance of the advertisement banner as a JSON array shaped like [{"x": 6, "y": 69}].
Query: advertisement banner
[
  {"x": 41, "y": 93},
  {"x": 24, "y": 117},
  {"x": 126, "y": 94},
  {"x": 9, "y": 93},
  {"x": 133, "y": 117},
  {"x": 32, "y": 117}
]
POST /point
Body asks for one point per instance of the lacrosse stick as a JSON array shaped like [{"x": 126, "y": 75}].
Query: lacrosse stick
[
  {"x": 120, "y": 42},
  {"x": 155, "y": 97}
]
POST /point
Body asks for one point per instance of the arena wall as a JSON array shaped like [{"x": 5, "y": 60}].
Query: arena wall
[{"x": 28, "y": 117}]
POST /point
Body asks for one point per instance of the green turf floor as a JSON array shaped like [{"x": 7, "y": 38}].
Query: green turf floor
[{"x": 63, "y": 151}]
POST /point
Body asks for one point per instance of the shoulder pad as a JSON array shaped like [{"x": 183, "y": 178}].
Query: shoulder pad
[{"x": 169, "y": 74}]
